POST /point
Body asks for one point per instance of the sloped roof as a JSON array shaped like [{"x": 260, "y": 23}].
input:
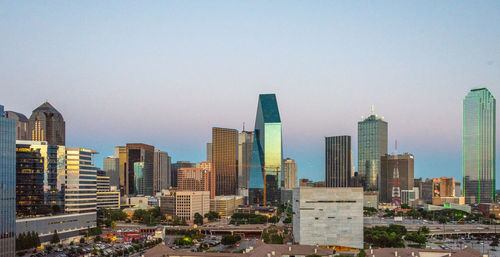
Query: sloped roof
[
  {"x": 269, "y": 107},
  {"x": 46, "y": 107}
]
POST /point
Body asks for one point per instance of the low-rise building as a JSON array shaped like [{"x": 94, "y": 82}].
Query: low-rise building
[
  {"x": 370, "y": 199},
  {"x": 328, "y": 216},
  {"x": 225, "y": 205},
  {"x": 410, "y": 252},
  {"x": 66, "y": 225},
  {"x": 442, "y": 200},
  {"x": 489, "y": 208},
  {"x": 185, "y": 204},
  {"x": 108, "y": 200}
]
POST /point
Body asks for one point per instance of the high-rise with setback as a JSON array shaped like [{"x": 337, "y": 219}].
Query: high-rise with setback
[
  {"x": 372, "y": 144},
  {"x": 47, "y": 124},
  {"x": 478, "y": 146},
  {"x": 225, "y": 160}
]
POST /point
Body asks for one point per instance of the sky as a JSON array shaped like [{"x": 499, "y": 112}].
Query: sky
[{"x": 165, "y": 72}]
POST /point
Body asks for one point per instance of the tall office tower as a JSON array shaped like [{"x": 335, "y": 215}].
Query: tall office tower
[
  {"x": 267, "y": 153},
  {"x": 209, "y": 152},
  {"x": 54, "y": 165},
  {"x": 103, "y": 183},
  {"x": 289, "y": 173},
  {"x": 21, "y": 124},
  {"x": 111, "y": 166},
  {"x": 79, "y": 181},
  {"x": 193, "y": 179},
  {"x": 161, "y": 171},
  {"x": 8, "y": 185},
  {"x": 245, "y": 144},
  {"x": 406, "y": 164},
  {"x": 338, "y": 161},
  {"x": 175, "y": 169},
  {"x": 207, "y": 167},
  {"x": 139, "y": 153},
  {"x": 478, "y": 154},
  {"x": 225, "y": 161},
  {"x": 47, "y": 124},
  {"x": 29, "y": 181},
  {"x": 121, "y": 154},
  {"x": 139, "y": 184},
  {"x": 372, "y": 144}
]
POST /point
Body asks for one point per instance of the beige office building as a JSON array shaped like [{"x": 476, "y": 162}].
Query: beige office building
[
  {"x": 225, "y": 205},
  {"x": 184, "y": 204},
  {"x": 290, "y": 173}
]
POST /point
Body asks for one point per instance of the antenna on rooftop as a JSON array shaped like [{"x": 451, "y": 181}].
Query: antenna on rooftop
[{"x": 373, "y": 109}]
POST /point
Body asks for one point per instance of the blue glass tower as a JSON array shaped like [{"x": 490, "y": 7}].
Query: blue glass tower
[
  {"x": 267, "y": 158},
  {"x": 7, "y": 185}
]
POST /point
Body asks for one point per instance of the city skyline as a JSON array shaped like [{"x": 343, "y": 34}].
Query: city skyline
[{"x": 316, "y": 64}]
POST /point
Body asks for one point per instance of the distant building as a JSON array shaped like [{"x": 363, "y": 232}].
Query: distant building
[
  {"x": 372, "y": 144},
  {"x": 304, "y": 182},
  {"x": 328, "y": 216},
  {"x": 408, "y": 196},
  {"x": 391, "y": 252},
  {"x": 111, "y": 166},
  {"x": 267, "y": 153},
  {"x": 319, "y": 184},
  {"x": 8, "y": 184},
  {"x": 370, "y": 199},
  {"x": 225, "y": 160},
  {"x": 427, "y": 191},
  {"x": 121, "y": 154},
  {"x": 479, "y": 138},
  {"x": 225, "y": 205},
  {"x": 21, "y": 125},
  {"x": 175, "y": 169},
  {"x": 458, "y": 189},
  {"x": 29, "y": 181},
  {"x": 185, "y": 204},
  {"x": 245, "y": 143},
  {"x": 139, "y": 183},
  {"x": 194, "y": 179},
  {"x": 209, "y": 152},
  {"x": 47, "y": 124},
  {"x": 107, "y": 196},
  {"x": 161, "y": 171},
  {"x": 290, "y": 173},
  {"x": 80, "y": 181},
  {"x": 140, "y": 153},
  {"x": 338, "y": 161},
  {"x": 102, "y": 183},
  {"x": 406, "y": 164}
]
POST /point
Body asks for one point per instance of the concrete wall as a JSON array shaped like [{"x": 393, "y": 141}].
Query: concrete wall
[{"x": 328, "y": 216}]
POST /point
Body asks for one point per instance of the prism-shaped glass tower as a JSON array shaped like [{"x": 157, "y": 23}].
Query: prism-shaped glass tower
[{"x": 267, "y": 158}]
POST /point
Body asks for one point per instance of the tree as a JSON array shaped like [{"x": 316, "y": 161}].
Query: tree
[
  {"x": 55, "y": 238},
  {"x": 230, "y": 239},
  {"x": 113, "y": 224},
  {"x": 82, "y": 240},
  {"x": 139, "y": 215},
  {"x": 494, "y": 242},
  {"x": 211, "y": 216},
  {"x": 198, "y": 219},
  {"x": 361, "y": 253},
  {"x": 274, "y": 219},
  {"x": 117, "y": 215},
  {"x": 405, "y": 206},
  {"x": 424, "y": 230}
]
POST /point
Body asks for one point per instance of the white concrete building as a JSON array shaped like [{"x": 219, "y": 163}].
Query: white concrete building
[{"x": 328, "y": 216}]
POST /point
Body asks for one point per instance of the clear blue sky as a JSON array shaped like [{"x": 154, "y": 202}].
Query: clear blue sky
[{"x": 165, "y": 72}]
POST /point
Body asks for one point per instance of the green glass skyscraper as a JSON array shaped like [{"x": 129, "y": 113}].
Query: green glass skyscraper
[
  {"x": 267, "y": 158},
  {"x": 478, "y": 143},
  {"x": 372, "y": 144}
]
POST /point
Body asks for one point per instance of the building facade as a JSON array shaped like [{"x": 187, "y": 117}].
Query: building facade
[
  {"x": 245, "y": 143},
  {"x": 338, "y": 161},
  {"x": 121, "y": 154},
  {"x": 47, "y": 124},
  {"x": 209, "y": 152},
  {"x": 267, "y": 153},
  {"x": 111, "y": 166},
  {"x": 194, "y": 179},
  {"x": 328, "y": 216},
  {"x": 185, "y": 204},
  {"x": 478, "y": 146},
  {"x": 175, "y": 170},
  {"x": 79, "y": 181},
  {"x": 161, "y": 171},
  {"x": 372, "y": 144},
  {"x": 225, "y": 205},
  {"x": 29, "y": 181},
  {"x": 406, "y": 164},
  {"x": 8, "y": 184},
  {"x": 145, "y": 154},
  {"x": 21, "y": 124},
  {"x": 289, "y": 173},
  {"x": 225, "y": 161}
]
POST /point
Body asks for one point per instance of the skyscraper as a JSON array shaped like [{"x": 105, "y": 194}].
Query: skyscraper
[
  {"x": 289, "y": 173},
  {"x": 244, "y": 157},
  {"x": 266, "y": 168},
  {"x": 175, "y": 169},
  {"x": 8, "y": 185},
  {"x": 121, "y": 154},
  {"x": 225, "y": 160},
  {"x": 406, "y": 164},
  {"x": 161, "y": 171},
  {"x": 21, "y": 124},
  {"x": 209, "y": 152},
  {"x": 478, "y": 144},
  {"x": 79, "y": 181},
  {"x": 47, "y": 124},
  {"x": 338, "y": 161},
  {"x": 139, "y": 185},
  {"x": 140, "y": 153},
  {"x": 372, "y": 144},
  {"x": 194, "y": 179},
  {"x": 111, "y": 166},
  {"x": 29, "y": 181}
]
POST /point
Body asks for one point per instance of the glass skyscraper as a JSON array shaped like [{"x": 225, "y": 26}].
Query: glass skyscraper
[
  {"x": 7, "y": 185},
  {"x": 266, "y": 167},
  {"x": 372, "y": 144},
  {"x": 338, "y": 161},
  {"x": 478, "y": 153}
]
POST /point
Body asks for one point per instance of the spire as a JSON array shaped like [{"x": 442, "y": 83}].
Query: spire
[{"x": 373, "y": 109}]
